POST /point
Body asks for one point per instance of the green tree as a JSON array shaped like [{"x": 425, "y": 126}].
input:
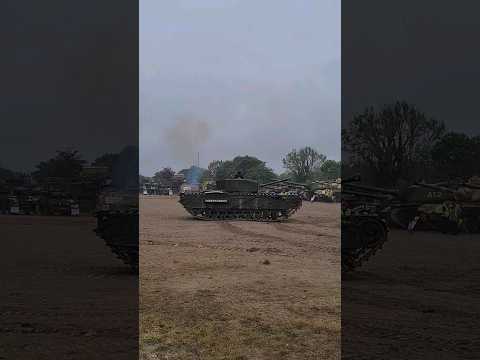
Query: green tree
[
  {"x": 249, "y": 166},
  {"x": 164, "y": 176},
  {"x": 392, "y": 142},
  {"x": 106, "y": 160},
  {"x": 329, "y": 170},
  {"x": 302, "y": 163},
  {"x": 66, "y": 164},
  {"x": 456, "y": 155},
  {"x": 213, "y": 168}
]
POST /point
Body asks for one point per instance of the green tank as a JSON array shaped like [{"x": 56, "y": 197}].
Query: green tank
[
  {"x": 364, "y": 223},
  {"x": 449, "y": 207},
  {"x": 242, "y": 199},
  {"x": 117, "y": 209},
  {"x": 117, "y": 225}
]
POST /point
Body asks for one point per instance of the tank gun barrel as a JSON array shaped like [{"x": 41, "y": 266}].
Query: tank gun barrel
[
  {"x": 435, "y": 187},
  {"x": 374, "y": 189},
  {"x": 275, "y": 182},
  {"x": 470, "y": 186},
  {"x": 367, "y": 194},
  {"x": 297, "y": 184},
  {"x": 355, "y": 178},
  {"x": 324, "y": 182}
]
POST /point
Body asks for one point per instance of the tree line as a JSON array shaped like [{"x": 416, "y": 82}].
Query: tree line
[
  {"x": 398, "y": 142},
  {"x": 304, "y": 165},
  {"x": 69, "y": 164}
]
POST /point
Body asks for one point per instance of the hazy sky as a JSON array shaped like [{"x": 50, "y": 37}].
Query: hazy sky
[
  {"x": 426, "y": 54},
  {"x": 68, "y": 79},
  {"x": 227, "y": 78}
]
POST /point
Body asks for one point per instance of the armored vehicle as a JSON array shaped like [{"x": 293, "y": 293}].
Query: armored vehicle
[
  {"x": 447, "y": 207},
  {"x": 117, "y": 208},
  {"x": 326, "y": 191},
  {"x": 364, "y": 223},
  {"x": 242, "y": 199},
  {"x": 117, "y": 224}
]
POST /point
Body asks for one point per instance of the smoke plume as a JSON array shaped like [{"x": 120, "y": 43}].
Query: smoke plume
[{"x": 185, "y": 138}]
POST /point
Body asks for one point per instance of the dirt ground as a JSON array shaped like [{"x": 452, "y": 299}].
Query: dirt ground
[
  {"x": 63, "y": 294},
  {"x": 239, "y": 290},
  {"x": 418, "y": 298}
]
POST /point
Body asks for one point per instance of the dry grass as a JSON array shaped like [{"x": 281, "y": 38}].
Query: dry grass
[{"x": 207, "y": 294}]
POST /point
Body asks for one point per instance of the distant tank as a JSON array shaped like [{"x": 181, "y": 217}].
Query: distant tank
[
  {"x": 326, "y": 191},
  {"x": 447, "y": 207},
  {"x": 117, "y": 224},
  {"x": 241, "y": 199},
  {"x": 364, "y": 223},
  {"x": 117, "y": 209}
]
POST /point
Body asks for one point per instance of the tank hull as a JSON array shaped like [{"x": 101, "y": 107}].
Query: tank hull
[
  {"x": 362, "y": 237},
  {"x": 219, "y": 205},
  {"x": 119, "y": 230}
]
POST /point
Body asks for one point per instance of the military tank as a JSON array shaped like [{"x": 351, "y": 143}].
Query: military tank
[
  {"x": 364, "y": 223},
  {"x": 242, "y": 199},
  {"x": 450, "y": 207},
  {"x": 117, "y": 224},
  {"x": 420, "y": 206},
  {"x": 326, "y": 190},
  {"x": 117, "y": 209}
]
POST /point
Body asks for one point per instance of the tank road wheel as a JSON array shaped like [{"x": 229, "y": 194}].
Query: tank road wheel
[
  {"x": 243, "y": 215},
  {"x": 274, "y": 215},
  {"x": 373, "y": 232}
]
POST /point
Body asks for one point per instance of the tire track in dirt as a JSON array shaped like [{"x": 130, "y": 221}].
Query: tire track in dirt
[
  {"x": 303, "y": 222},
  {"x": 237, "y": 230},
  {"x": 252, "y": 234},
  {"x": 321, "y": 222},
  {"x": 288, "y": 229}
]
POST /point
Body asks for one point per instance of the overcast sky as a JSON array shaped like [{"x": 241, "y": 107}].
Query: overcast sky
[
  {"x": 68, "y": 79},
  {"x": 245, "y": 77},
  {"x": 426, "y": 54}
]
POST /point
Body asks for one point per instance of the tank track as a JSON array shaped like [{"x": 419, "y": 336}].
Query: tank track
[
  {"x": 119, "y": 230},
  {"x": 369, "y": 233},
  {"x": 265, "y": 215}
]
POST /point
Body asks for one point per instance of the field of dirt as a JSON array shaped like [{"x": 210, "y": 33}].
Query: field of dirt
[
  {"x": 418, "y": 298},
  {"x": 63, "y": 294},
  {"x": 239, "y": 290}
]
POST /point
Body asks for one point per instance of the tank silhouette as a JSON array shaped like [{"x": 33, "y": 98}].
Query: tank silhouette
[
  {"x": 117, "y": 209},
  {"x": 326, "y": 190},
  {"x": 449, "y": 207},
  {"x": 117, "y": 225},
  {"x": 242, "y": 199},
  {"x": 364, "y": 222}
]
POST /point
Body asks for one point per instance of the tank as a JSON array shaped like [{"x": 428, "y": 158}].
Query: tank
[
  {"x": 326, "y": 191},
  {"x": 242, "y": 199},
  {"x": 448, "y": 207},
  {"x": 117, "y": 209},
  {"x": 364, "y": 223},
  {"x": 117, "y": 224}
]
